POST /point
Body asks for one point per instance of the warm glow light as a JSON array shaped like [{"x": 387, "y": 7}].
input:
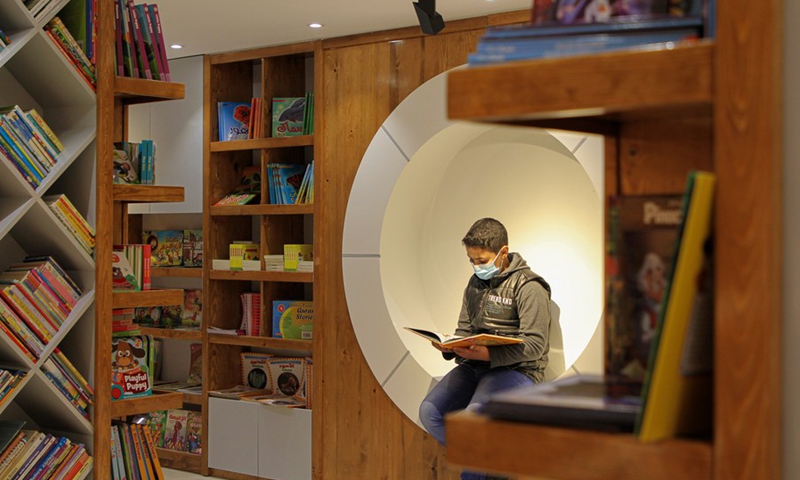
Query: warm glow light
[
  {"x": 315, "y": 25},
  {"x": 176, "y": 46}
]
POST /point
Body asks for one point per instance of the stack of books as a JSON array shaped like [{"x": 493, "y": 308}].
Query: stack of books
[
  {"x": 177, "y": 429},
  {"x": 251, "y": 314},
  {"x": 69, "y": 381},
  {"x": 33, "y": 454},
  {"x": 131, "y": 267},
  {"x": 140, "y": 49},
  {"x": 123, "y": 324},
  {"x": 68, "y": 46},
  {"x": 133, "y": 452},
  {"x": 9, "y": 380},
  {"x": 36, "y": 297},
  {"x": 135, "y": 163},
  {"x": 256, "y": 119},
  {"x": 273, "y": 263},
  {"x": 72, "y": 219},
  {"x": 294, "y": 253},
  {"x": 28, "y": 143},
  {"x": 244, "y": 251},
  {"x": 4, "y": 40}
]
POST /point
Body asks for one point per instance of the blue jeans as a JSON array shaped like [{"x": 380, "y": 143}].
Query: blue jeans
[{"x": 465, "y": 387}]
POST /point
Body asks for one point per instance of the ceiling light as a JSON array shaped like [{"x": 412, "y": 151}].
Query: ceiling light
[
  {"x": 176, "y": 46},
  {"x": 315, "y": 25}
]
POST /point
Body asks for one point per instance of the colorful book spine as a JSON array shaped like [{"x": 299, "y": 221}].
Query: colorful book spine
[{"x": 162, "y": 48}]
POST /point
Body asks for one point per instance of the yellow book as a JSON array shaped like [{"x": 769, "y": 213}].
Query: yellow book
[
  {"x": 675, "y": 401},
  {"x": 294, "y": 253},
  {"x": 240, "y": 251}
]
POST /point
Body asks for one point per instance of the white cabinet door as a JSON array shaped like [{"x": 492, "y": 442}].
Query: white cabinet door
[
  {"x": 233, "y": 435},
  {"x": 284, "y": 443},
  {"x": 177, "y": 129}
]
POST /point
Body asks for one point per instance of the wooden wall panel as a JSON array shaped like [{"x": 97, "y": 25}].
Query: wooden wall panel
[{"x": 359, "y": 432}]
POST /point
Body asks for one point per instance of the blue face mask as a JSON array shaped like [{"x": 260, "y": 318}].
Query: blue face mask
[{"x": 487, "y": 270}]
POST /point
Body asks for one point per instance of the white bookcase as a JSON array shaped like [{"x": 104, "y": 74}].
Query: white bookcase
[{"x": 34, "y": 74}]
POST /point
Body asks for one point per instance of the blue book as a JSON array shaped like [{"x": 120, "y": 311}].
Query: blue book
[
  {"x": 233, "y": 118},
  {"x": 18, "y": 156},
  {"x": 566, "y": 46},
  {"x": 622, "y": 26}
]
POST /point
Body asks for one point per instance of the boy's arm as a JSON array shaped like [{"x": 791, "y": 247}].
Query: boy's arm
[{"x": 533, "y": 307}]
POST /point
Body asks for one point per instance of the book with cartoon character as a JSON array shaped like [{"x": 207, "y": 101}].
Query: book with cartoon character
[
  {"x": 166, "y": 247},
  {"x": 233, "y": 119},
  {"x": 131, "y": 366},
  {"x": 287, "y": 116},
  {"x": 175, "y": 429}
]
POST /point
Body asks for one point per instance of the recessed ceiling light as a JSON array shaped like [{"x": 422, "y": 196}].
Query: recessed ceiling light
[
  {"x": 176, "y": 46},
  {"x": 315, "y": 25}
]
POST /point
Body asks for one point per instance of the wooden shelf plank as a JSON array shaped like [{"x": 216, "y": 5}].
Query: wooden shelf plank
[
  {"x": 173, "y": 333},
  {"x": 182, "y": 272},
  {"x": 262, "y": 276},
  {"x": 148, "y": 193},
  {"x": 139, "y": 90},
  {"x": 148, "y": 298},
  {"x": 150, "y": 403},
  {"x": 475, "y": 441},
  {"x": 185, "y": 461},
  {"x": 262, "y": 143},
  {"x": 629, "y": 84},
  {"x": 250, "y": 210},
  {"x": 264, "y": 342}
]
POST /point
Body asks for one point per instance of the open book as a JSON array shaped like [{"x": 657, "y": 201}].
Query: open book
[{"x": 453, "y": 341}]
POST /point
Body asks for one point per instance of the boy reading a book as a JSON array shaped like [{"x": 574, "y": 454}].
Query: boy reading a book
[{"x": 505, "y": 297}]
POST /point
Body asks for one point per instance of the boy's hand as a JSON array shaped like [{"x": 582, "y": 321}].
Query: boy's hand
[{"x": 473, "y": 352}]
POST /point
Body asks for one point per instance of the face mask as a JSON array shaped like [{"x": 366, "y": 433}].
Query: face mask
[{"x": 487, "y": 270}]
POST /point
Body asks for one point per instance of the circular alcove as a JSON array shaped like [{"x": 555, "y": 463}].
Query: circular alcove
[{"x": 421, "y": 184}]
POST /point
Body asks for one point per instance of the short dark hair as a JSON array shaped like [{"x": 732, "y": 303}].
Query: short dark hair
[{"x": 486, "y": 233}]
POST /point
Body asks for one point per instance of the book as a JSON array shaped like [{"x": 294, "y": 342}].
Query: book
[
  {"x": 9, "y": 429},
  {"x": 157, "y": 421},
  {"x": 195, "y": 364},
  {"x": 194, "y": 432},
  {"x": 193, "y": 248},
  {"x": 255, "y": 370},
  {"x": 642, "y": 231},
  {"x": 123, "y": 277},
  {"x": 131, "y": 366},
  {"x": 240, "y": 251},
  {"x": 251, "y": 313},
  {"x": 233, "y": 118},
  {"x": 292, "y": 319},
  {"x": 236, "y": 391},
  {"x": 453, "y": 341},
  {"x": 287, "y": 116},
  {"x": 162, "y": 48},
  {"x": 619, "y": 25},
  {"x": 192, "y": 314},
  {"x": 140, "y": 55},
  {"x": 166, "y": 247},
  {"x": 675, "y": 401},
  {"x": 248, "y": 190},
  {"x": 175, "y": 429},
  {"x": 288, "y": 376},
  {"x": 294, "y": 253}
]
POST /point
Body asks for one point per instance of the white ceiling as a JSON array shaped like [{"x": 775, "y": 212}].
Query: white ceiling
[{"x": 213, "y": 26}]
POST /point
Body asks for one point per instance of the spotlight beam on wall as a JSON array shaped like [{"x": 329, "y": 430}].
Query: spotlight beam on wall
[{"x": 430, "y": 21}]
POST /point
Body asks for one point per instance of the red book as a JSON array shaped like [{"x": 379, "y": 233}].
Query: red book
[
  {"x": 162, "y": 49},
  {"x": 14, "y": 339},
  {"x": 141, "y": 53}
]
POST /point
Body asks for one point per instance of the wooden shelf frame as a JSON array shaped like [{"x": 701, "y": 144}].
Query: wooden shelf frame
[
  {"x": 262, "y": 276},
  {"x": 618, "y": 94},
  {"x": 185, "y": 461},
  {"x": 156, "y": 401},
  {"x": 260, "y": 342},
  {"x": 177, "y": 272},
  {"x": 253, "y": 210},
  {"x": 268, "y": 143},
  {"x": 147, "y": 193},
  {"x": 173, "y": 333},
  {"x": 148, "y": 298}
]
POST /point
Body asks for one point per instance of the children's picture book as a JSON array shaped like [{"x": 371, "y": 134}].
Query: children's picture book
[
  {"x": 233, "y": 119},
  {"x": 131, "y": 367},
  {"x": 122, "y": 276},
  {"x": 248, "y": 190},
  {"x": 157, "y": 421},
  {"x": 641, "y": 239},
  {"x": 175, "y": 429},
  {"x": 453, "y": 341},
  {"x": 192, "y": 314},
  {"x": 171, "y": 316},
  {"x": 288, "y": 376},
  {"x": 294, "y": 253},
  {"x": 166, "y": 247},
  {"x": 147, "y": 316},
  {"x": 124, "y": 169},
  {"x": 287, "y": 116},
  {"x": 236, "y": 391},
  {"x": 194, "y": 431},
  {"x": 193, "y": 248},
  {"x": 255, "y": 370},
  {"x": 292, "y": 319},
  {"x": 195, "y": 376}
]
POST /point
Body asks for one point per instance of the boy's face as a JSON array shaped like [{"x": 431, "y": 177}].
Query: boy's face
[{"x": 482, "y": 256}]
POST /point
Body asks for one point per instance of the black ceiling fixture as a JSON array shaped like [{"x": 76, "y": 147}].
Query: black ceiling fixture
[{"x": 430, "y": 21}]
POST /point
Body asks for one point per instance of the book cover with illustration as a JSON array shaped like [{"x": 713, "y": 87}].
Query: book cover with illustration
[
  {"x": 193, "y": 248},
  {"x": 175, "y": 429},
  {"x": 157, "y": 421},
  {"x": 642, "y": 231},
  {"x": 287, "y": 116},
  {"x": 255, "y": 370},
  {"x": 147, "y": 316},
  {"x": 194, "y": 432},
  {"x": 124, "y": 169},
  {"x": 288, "y": 376},
  {"x": 166, "y": 247},
  {"x": 248, "y": 190},
  {"x": 293, "y": 319},
  {"x": 233, "y": 119},
  {"x": 192, "y": 314},
  {"x": 171, "y": 316},
  {"x": 131, "y": 366},
  {"x": 122, "y": 276}
]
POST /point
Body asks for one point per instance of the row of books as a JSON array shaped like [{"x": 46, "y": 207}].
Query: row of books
[
  {"x": 28, "y": 143},
  {"x": 36, "y": 296},
  {"x": 135, "y": 163},
  {"x": 9, "y": 381},
  {"x": 251, "y": 313},
  {"x": 290, "y": 183},
  {"x": 71, "y": 218},
  {"x": 177, "y": 429},
  {"x": 61, "y": 37},
  {"x": 291, "y": 116},
  {"x": 133, "y": 453},
  {"x": 130, "y": 267},
  {"x": 40, "y": 8},
  {"x": 34, "y": 455},
  {"x": 174, "y": 248},
  {"x": 557, "y": 32},
  {"x": 69, "y": 382},
  {"x": 140, "y": 48},
  {"x": 4, "y": 40},
  {"x": 273, "y": 380},
  {"x": 186, "y": 316}
]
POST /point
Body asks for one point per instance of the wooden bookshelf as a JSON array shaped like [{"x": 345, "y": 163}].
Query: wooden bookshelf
[
  {"x": 260, "y": 342},
  {"x": 147, "y": 298},
  {"x": 262, "y": 276},
  {"x": 157, "y": 401},
  {"x": 253, "y": 210},
  {"x": 139, "y": 90},
  {"x": 147, "y": 193},
  {"x": 262, "y": 144},
  {"x": 179, "y": 272},
  {"x": 188, "y": 462},
  {"x": 173, "y": 333}
]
